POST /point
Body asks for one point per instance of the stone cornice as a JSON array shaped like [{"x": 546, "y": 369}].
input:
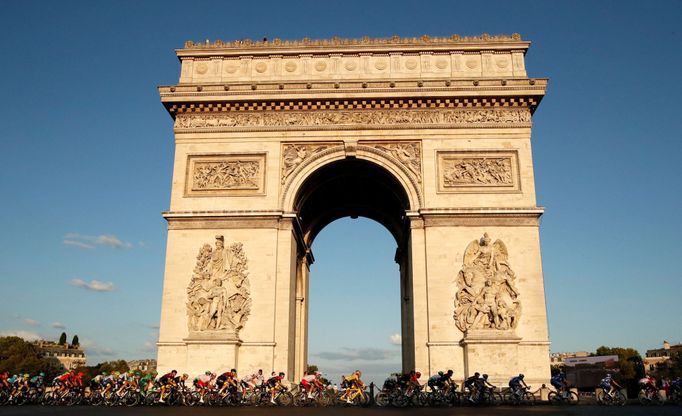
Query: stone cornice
[{"x": 364, "y": 44}]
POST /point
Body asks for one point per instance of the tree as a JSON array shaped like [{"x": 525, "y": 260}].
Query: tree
[
  {"x": 311, "y": 369},
  {"x": 75, "y": 342},
  {"x": 111, "y": 366},
  {"x": 18, "y": 357},
  {"x": 62, "y": 338}
]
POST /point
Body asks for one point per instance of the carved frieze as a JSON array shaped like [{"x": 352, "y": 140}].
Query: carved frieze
[
  {"x": 225, "y": 174},
  {"x": 486, "y": 296},
  {"x": 407, "y": 154},
  {"x": 218, "y": 295},
  {"x": 294, "y": 154},
  {"x": 338, "y": 119},
  {"x": 478, "y": 171}
]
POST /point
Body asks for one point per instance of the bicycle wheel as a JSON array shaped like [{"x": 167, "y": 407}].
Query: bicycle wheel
[
  {"x": 619, "y": 399},
  {"x": 285, "y": 399},
  {"x": 529, "y": 399},
  {"x": 381, "y": 399}
]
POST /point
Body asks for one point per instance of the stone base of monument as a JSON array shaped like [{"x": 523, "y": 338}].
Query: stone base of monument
[
  {"x": 219, "y": 348},
  {"x": 492, "y": 352}
]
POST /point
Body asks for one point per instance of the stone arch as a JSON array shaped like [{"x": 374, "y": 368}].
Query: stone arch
[{"x": 407, "y": 180}]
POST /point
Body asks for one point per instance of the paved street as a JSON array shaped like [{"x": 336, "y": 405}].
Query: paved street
[{"x": 340, "y": 411}]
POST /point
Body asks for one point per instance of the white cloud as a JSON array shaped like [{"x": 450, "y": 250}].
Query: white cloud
[
  {"x": 27, "y": 335},
  {"x": 58, "y": 325},
  {"x": 32, "y": 322},
  {"x": 90, "y": 241},
  {"x": 78, "y": 244},
  {"x": 353, "y": 354},
  {"x": 396, "y": 339},
  {"x": 149, "y": 347},
  {"x": 94, "y": 285}
]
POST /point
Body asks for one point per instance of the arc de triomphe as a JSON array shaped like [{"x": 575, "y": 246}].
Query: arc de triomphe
[{"x": 431, "y": 137}]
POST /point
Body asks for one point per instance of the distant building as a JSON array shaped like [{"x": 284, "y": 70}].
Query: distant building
[
  {"x": 558, "y": 358},
  {"x": 143, "y": 365},
  {"x": 658, "y": 357},
  {"x": 67, "y": 356}
]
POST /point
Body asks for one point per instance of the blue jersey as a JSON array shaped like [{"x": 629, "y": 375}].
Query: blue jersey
[{"x": 515, "y": 382}]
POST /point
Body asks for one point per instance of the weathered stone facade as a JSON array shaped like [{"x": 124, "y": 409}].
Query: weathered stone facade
[{"x": 431, "y": 135}]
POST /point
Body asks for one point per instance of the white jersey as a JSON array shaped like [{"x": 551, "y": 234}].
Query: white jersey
[{"x": 309, "y": 378}]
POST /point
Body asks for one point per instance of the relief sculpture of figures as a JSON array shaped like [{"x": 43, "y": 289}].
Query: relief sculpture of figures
[
  {"x": 237, "y": 174},
  {"x": 294, "y": 154},
  {"x": 478, "y": 171},
  {"x": 408, "y": 154},
  {"x": 218, "y": 296},
  {"x": 486, "y": 297}
]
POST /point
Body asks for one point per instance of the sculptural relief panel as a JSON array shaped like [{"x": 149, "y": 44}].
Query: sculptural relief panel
[
  {"x": 218, "y": 294},
  {"x": 339, "y": 119},
  {"x": 295, "y": 154},
  {"x": 408, "y": 154},
  {"x": 225, "y": 174},
  {"x": 478, "y": 171},
  {"x": 486, "y": 297}
]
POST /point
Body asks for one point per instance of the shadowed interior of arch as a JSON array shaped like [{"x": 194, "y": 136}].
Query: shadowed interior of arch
[
  {"x": 360, "y": 188},
  {"x": 353, "y": 188}
]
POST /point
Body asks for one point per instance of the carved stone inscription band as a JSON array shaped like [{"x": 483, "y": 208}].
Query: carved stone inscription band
[{"x": 520, "y": 117}]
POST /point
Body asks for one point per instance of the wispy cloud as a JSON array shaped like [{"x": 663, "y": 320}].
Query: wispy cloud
[
  {"x": 58, "y": 325},
  {"x": 32, "y": 322},
  {"x": 396, "y": 339},
  {"x": 95, "y": 352},
  {"x": 27, "y": 335},
  {"x": 353, "y": 354},
  {"x": 90, "y": 241},
  {"x": 78, "y": 244},
  {"x": 93, "y": 285},
  {"x": 148, "y": 347}
]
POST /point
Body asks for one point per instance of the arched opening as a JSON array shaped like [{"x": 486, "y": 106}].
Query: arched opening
[{"x": 352, "y": 188}]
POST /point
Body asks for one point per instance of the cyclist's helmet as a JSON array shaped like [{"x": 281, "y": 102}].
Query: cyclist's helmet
[
  {"x": 208, "y": 373},
  {"x": 418, "y": 374},
  {"x": 359, "y": 373},
  {"x": 477, "y": 374},
  {"x": 42, "y": 374},
  {"x": 485, "y": 376},
  {"x": 521, "y": 376},
  {"x": 450, "y": 372}
]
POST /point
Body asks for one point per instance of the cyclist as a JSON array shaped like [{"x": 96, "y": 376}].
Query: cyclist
[
  {"x": 311, "y": 383},
  {"x": 4, "y": 383},
  {"x": 146, "y": 382},
  {"x": 352, "y": 381},
  {"x": 36, "y": 382},
  {"x": 559, "y": 382},
  {"x": 63, "y": 382},
  {"x": 203, "y": 383},
  {"x": 439, "y": 381},
  {"x": 648, "y": 383},
  {"x": 167, "y": 382},
  {"x": 274, "y": 383},
  {"x": 255, "y": 379},
  {"x": 608, "y": 384},
  {"x": 482, "y": 384},
  {"x": 517, "y": 385},
  {"x": 226, "y": 380},
  {"x": 471, "y": 383}
]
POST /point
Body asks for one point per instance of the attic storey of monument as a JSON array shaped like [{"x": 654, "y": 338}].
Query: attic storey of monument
[{"x": 431, "y": 137}]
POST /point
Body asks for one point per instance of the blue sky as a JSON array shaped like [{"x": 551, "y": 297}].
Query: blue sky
[{"x": 87, "y": 159}]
